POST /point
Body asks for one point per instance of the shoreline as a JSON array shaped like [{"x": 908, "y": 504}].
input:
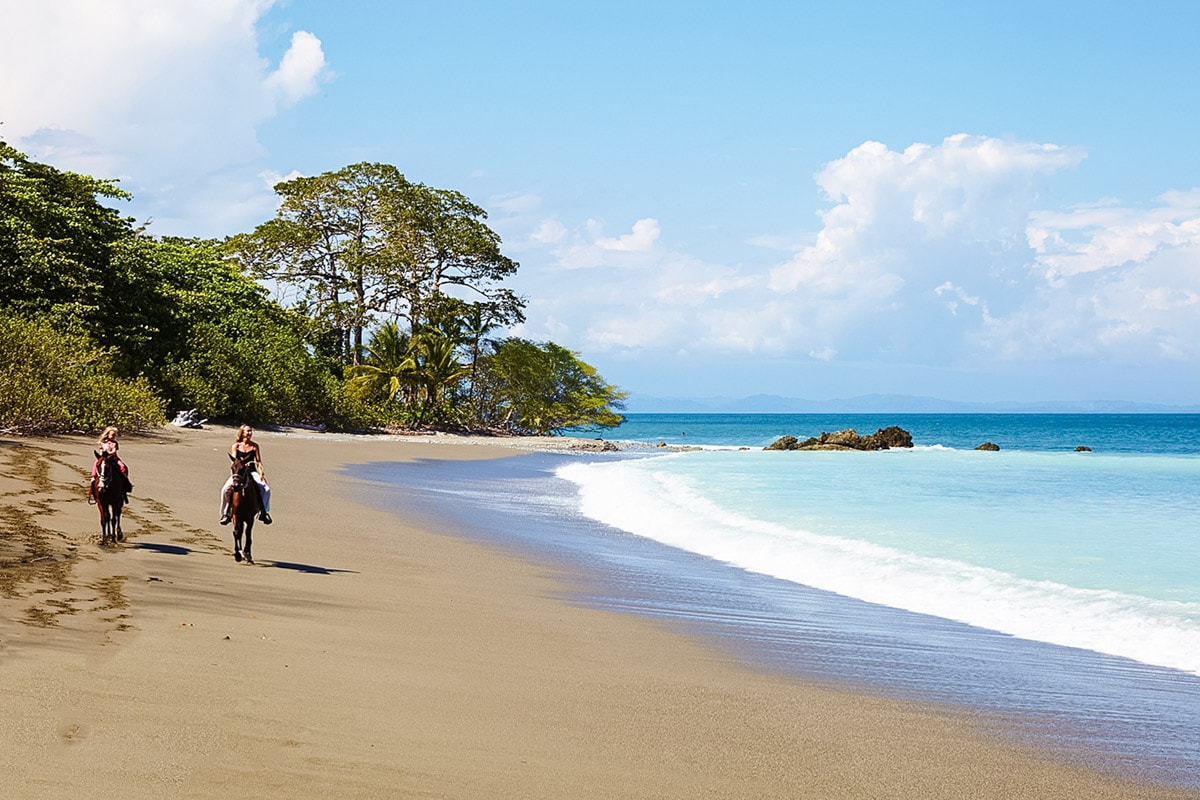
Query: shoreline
[
  {"x": 366, "y": 656},
  {"x": 1132, "y": 717}
]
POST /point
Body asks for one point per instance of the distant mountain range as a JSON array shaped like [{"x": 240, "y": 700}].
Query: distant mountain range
[{"x": 882, "y": 404}]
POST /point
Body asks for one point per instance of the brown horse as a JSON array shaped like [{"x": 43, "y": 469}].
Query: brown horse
[
  {"x": 108, "y": 493},
  {"x": 245, "y": 504}
]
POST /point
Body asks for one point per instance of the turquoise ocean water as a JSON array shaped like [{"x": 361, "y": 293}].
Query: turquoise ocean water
[
  {"x": 1099, "y": 550},
  {"x": 1059, "y": 590}
]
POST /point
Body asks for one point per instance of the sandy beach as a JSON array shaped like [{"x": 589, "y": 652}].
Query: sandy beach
[{"x": 364, "y": 656}]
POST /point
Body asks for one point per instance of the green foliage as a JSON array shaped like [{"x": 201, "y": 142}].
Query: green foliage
[
  {"x": 387, "y": 371},
  {"x": 253, "y": 365},
  {"x": 56, "y": 382},
  {"x": 55, "y": 241},
  {"x": 128, "y": 325},
  {"x": 364, "y": 242},
  {"x": 414, "y": 377},
  {"x": 444, "y": 242},
  {"x": 544, "y": 388}
]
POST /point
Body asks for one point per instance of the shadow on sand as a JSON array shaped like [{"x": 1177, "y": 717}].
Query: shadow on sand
[
  {"x": 307, "y": 568},
  {"x": 168, "y": 549},
  {"x": 177, "y": 550}
]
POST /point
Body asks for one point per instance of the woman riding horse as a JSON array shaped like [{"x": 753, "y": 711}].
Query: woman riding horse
[
  {"x": 108, "y": 446},
  {"x": 246, "y": 450},
  {"x": 107, "y": 491}
]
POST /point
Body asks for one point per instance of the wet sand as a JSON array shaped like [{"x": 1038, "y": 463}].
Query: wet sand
[{"x": 363, "y": 656}]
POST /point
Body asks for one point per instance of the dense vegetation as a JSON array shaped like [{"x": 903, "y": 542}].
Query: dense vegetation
[{"x": 398, "y": 300}]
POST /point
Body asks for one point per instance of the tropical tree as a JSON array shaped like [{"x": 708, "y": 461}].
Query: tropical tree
[
  {"x": 334, "y": 239},
  {"x": 172, "y": 317},
  {"x": 364, "y": 241},
  {"x": 544, "y": 388},
  {"x": 445, "y": 244},
  {"x": 437, "y": 370},
  {"x": 56, "y": 240},
  {"x": 388, "y": 369}
]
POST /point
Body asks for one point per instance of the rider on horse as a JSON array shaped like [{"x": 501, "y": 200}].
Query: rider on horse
[
  {"x": 245, "y": 449},
  {"x": 108, "y": 446}
]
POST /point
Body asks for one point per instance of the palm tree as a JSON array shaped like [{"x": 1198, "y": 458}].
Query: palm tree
[
  {"x": 436, "y": 367},
  {"x": 389, "y": 366},
  {"x": 480, "y": 320}
]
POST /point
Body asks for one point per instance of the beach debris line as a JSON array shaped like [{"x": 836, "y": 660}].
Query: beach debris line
[{"x": 849, "y": 439}]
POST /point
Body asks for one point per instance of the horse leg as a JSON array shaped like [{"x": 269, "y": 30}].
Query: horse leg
[
  {"x": 118, "y": 534},
  {"x": 246, "y": 550},
  {"x": 235, "y": 503},
  {"x": 103, "y": 523}
]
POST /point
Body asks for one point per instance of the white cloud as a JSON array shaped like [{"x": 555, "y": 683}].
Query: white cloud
[
  {"x": 165, "y": 97},
  {"x": 645, "y": 234},
  {"x": 1119, "y": 284},
  {"x": 915, "y": 239},
  {"x": 934, "y": 255},
  {"x": 1091, "y": 239},
  {"x": 299, "y": 70},
  {"x": 590, "y": 248},
  {"x": 549, "y": 232}
]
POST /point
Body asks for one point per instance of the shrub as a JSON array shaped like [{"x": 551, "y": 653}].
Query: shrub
[{"x": 57, "y": 382}]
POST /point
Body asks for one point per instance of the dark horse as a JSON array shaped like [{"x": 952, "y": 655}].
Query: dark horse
[
  {"x": 245, "y": 504},
  {"x": 108, "y": 493}
]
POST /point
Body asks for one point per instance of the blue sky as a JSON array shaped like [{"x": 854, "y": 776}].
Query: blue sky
[{"x": 975, "y": 202}]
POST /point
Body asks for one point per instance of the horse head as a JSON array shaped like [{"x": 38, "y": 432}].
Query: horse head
[
  {"x": 241, "y": 472},
  {"x": 105, "y": 469}
]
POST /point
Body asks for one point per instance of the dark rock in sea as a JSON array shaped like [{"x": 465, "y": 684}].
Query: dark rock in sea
[
  {"x": 1083, "y": 448},
  {"x": 849, "y": 439},
  {"x": 988, "y": 446},
  {"x": 894, "y": 436}
]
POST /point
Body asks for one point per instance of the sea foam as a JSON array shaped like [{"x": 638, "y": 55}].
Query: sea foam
[{"x": 637, "y": 497}]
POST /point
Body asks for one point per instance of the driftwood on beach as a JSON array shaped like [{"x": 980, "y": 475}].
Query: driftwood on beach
[{"x": 849, "y": 439}]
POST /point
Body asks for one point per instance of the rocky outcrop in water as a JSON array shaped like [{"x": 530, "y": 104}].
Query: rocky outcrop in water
[
  {"x": 849, "y": 439},
  {"x": 988, "y": 446}
]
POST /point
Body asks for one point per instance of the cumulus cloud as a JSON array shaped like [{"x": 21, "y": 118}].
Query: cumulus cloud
[
  {"x": 936, "y": 255},
  {"x": 1117, "y": 283},
  {"x": 589, "y": 247},
  {"x": 300, "y": 69},
  {"x": 913, "y": 241},
  {"x": 1086, "y": 240},
  {"x": 176, "y": 88},
  {"x": 645, "y": 234},
  {"x": 549, "y": 232}
]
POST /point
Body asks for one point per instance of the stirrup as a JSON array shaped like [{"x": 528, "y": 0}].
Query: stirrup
[
  {"x": 226, "y": 519},
  {"x": 265, "y": 517}
]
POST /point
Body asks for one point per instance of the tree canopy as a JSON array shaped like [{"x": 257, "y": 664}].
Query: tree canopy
[
  {"x": 363, "y": 243},
  {"x": 395, "y": 289}
]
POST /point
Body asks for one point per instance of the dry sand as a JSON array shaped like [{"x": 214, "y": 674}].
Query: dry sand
[{"x": 363, "y": 657}]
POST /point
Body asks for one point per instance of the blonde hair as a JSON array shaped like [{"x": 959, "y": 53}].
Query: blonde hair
[
  {"x": 241, "y": 434},
  {"x": 109, "y": 435}
]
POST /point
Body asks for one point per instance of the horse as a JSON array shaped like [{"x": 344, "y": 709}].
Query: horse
[
  {"x": 108, "y": 493},
  {"x": 245, "y": 504}
]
